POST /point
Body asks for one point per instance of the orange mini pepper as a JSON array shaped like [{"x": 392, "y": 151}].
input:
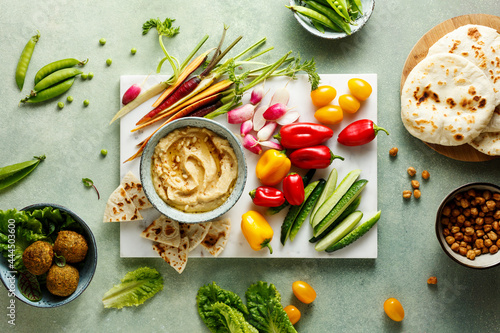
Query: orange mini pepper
[
  {"x": 272, "y": 167},
  {"x": 256, "y": 230}
]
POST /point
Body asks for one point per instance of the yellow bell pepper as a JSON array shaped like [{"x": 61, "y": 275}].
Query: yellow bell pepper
[
  {"x": 256, "y": 230},
  {"x": 272, "y": 167}
]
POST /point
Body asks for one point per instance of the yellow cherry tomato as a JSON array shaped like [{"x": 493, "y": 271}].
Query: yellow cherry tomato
[
  {"x": 323, "y": 95},
  {"x": 304, "y": 292},
  {"x": 293, "y": 313},
  {"x": 349, "y": 103},
  {"x": 394, "y": 309},
  {"x": 360, "y": 89},
  {"x": 329, "y": 115}
]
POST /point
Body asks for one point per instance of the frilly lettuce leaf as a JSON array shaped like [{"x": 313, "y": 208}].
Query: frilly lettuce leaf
[
  {"x": 135, "y": 288},
  {"x": 266, "y": 311},
  {"x": 232, "y": 320}
]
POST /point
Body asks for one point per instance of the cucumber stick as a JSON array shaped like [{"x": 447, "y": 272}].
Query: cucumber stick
[
  {"x": 333, "y": 199},
  {"x": 306, "y": 208},
  {"x": 293, "y": 212},
  {"x": 351, "y": 195},
  {"x": 327, "y": 192},
  {"x": 340, "y": 231},
  {"x": 355, "y": 234}
]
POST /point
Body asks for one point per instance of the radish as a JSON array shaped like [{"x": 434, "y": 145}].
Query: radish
[
  {"x": 288, "y": 118},
  {"x": 257, "y": 95},
  {"x": 131, "y": 94},
  {"x": 267, "y": 131},
  {"x": 271, "y": 144},
  {"x": 241, "y": 114},
  {"x": 275, "y": 111},
  {"x": 258, "y": 117},
  {"x": 280, "y": 96},
  {"x": 246, "y": 127},
  {"x": 251, "y": 143}
]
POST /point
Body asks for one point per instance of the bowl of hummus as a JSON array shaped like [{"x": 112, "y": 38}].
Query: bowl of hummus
[{"x": 193, "y": 170}]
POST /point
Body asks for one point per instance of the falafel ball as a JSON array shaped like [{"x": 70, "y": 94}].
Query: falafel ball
[
  {"x": 38, "y": 257},
  {"x": 71, "y": 245},
  {"x": 62, "y": 281}
]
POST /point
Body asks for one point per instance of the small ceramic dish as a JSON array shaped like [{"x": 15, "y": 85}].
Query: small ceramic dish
[
  {"x": 482, "y": 261},
  {"x": 306, "y": 23},
  {"x": 86, "y": 268},
  {"x": 171, "y": 212}
]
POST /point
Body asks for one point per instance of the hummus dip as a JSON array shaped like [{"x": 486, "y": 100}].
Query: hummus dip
[{"x": 193, "y": 169}]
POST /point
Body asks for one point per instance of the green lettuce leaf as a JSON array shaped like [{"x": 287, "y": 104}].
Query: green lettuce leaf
[
  {"x": 135, "y": 288},
  {"x": 265, "y": 310},
  {"x": 210, "y": 294},
  {"x": 232, "y": 320}
]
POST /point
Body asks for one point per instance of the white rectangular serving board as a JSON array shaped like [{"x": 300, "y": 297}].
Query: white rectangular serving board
[{"x": 363, "y": 157}]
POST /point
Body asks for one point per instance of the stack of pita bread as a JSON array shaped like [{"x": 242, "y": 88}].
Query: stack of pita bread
[
  {"x": 452, "y": 97},
  {"x": 125, "y": 203},
  {"x": 173, "y": 240}
]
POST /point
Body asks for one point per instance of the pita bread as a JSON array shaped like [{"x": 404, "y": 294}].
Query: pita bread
[
  {"x": 120, "y": 207},
  {"x": 216, "y": 238},
  {"x": 488, "y": 143},
  {"x": 447, "y": 100},
  {"x": 194, "y": 232},
  {"x": 175, "y": 256},
  {"x": 134, "y": 189},
  {"x": 163, "y": 230}
]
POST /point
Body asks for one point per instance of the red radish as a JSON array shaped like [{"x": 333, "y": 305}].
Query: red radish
[
  {"x": 275, "y": 111},
  {"x": 288, "y": 118},
  {"x": 267, "y": 131},
  {"x": 271, "y": 144},
  {"x": 359, "y": 133},
  {"x": 241, "y": 114},
  {"x": 246, "y": 127},
  {"x": 258, "y": 117},
  {"x": 257, "y": 95},
  {"x": 280, "y": 96},
  {"x": 251, "y": 143},
  {"x": 131, "y": 94}
]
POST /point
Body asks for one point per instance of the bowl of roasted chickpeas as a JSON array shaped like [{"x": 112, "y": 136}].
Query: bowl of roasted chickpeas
[{"x": 468, "y": 225}]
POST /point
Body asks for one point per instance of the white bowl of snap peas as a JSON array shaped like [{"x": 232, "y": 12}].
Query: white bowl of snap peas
[{"x": 332, "y": 19}]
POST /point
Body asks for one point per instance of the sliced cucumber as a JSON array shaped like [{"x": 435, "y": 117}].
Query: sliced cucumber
[
  {"x": 340, "y": 231},
  {"x": 306, "y": 208},
  {"x": 351, "y": 195},
  {"x": 333, "y": 199},
  {"x": 327, "y": 192},
  {"x": 355, "y": 234}
]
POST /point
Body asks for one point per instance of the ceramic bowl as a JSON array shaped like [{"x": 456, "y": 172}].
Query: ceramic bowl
[
  {"x": 306, "y": 23},
  {"x": 171, "y": 212},
  {"x": 86, "y": 268},
  {"x": 482, "y": 261}
]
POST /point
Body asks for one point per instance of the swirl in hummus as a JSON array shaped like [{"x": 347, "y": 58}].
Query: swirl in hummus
[{"x": 194, "y": 169}]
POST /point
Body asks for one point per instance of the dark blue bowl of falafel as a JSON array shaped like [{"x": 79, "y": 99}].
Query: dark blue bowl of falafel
[{"x": 49, "y": 254}]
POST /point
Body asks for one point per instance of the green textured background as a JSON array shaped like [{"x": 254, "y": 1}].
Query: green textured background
[{"x": 350, "y": 292}]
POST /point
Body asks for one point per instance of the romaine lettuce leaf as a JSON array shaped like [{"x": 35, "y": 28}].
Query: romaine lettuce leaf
[
  {"x": 232, "y": 320},
  {"x": 135, "y": 288}
]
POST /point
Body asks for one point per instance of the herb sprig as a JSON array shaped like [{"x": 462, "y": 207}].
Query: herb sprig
[{"x": 89, "y": 183}]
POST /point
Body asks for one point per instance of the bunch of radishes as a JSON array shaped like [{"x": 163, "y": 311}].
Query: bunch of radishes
[{"x": 262, "y": 119}]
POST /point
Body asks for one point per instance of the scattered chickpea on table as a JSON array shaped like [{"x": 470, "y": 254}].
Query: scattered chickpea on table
[
  {"x": 432, "y": 280},
  {"x": 393, "y": 152}
]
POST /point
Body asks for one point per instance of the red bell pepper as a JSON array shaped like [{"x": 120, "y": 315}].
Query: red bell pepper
[
  {"x": 267, "y": 196},
  {"x": 300, "y": 135},
  {"x": 359, "y": 133},
  {"x": 293, "y": 187},
  {"x": 317, "y": 157}
]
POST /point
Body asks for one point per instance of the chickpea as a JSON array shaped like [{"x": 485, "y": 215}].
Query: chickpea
[
  {"x": 495, "y": 225},
  {"x": 467, "y": 223},
  {"x": 445, "y": 221},
  {"x": 454, "y": 247},
  {"x": 407, "y": 194},
  {"x": 459, "y": 196},
  {"x": 411, "y": 171},
  {"x": 432, "y": 280},
  {"x": 425, "y": 174},
  {"x": 460, "y": 219},
  {"x": 394, "y": 151},
  {"x": 450, "y": 240},
  {"x": 459, "y": 236},
  {"x": 482, "y": 251},
  {"x": 490, "y": 204},
  {"x": 479, "y": 221},
  {"x": 455, "y": 229},
  {"x": 492, "y": 235},
  {"x": 471, "y": 192},
  {"x": 496, "y": 216},
  {"x": 488, "y": 242},
  {"x": 469, "y": 231},
  {"x": 486, "y": 195},
  {"x": 415, "y": 184},
  {"x": 471, "y": 254},
  {"x": 466, "y": 212},
  {"x": 464, "y": 203},
  {"x": 479, "y": 233},
  {"x": 446, "y": 211},
  {"x": 455, "y": 212},
  {"x": 487, "y": 228},
  {"x": 446, "y": 232},
  {"x": 496, "y": 196},
  {"x": 467, "y": 239},
  {"x": 463, "y": 244},
  {"x": 417, "y": 194},
  {"x": 493, "y": 249},
  {"x": 473, "y": 211},
  {"x": 462, "y": 250},
  {"x": 498, "y": 243},
  {"x": 479, "y": 243},
  {"x": 479, "y": 201}
]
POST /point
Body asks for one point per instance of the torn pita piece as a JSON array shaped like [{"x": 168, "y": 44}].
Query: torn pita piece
[
  {"x": 216, "y": 239},
  {"x": 163, "y": 230},
  {"x": 134, "y": 189},
  {"x": 175, "y": 256},
  {"x": 194, "y": 232},
  {"x": 120, "y": 207}
]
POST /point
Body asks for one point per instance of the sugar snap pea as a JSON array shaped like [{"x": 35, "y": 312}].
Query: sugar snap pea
[
  {"x": 49, "y": 93},
  {"x": 340, "y": 6},
  {"x": 358, "y": 5},
  {"x": 56, "y": 77},
  {"x": 313, "y": 15},
  {"x": 57, "y": 65},
  {"x": 337, "y": 20},
  {"x": 24, "y": 60},
  {"x": 11, "y": 174}
]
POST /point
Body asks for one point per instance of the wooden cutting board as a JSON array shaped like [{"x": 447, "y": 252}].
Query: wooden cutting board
[{"x": 419, "y": 52}]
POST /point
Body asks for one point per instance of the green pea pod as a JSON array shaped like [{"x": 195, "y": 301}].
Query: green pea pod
[
  {"x": 313, "y": 15},
  {"x": 57, "y": 65},
  {"x": 358, "y": 5},
  {"x": 49, "y": 93},
  {"x": 319, "y": 27},
  {"x": 24, "y": 60},
  {"x": 337, "y": 20},
  {"x": 340, "y": 6},
  {"x": 12, "y": 176},
  {"x": 307, "y": 206},
  {"x": 57, "y": 77}
]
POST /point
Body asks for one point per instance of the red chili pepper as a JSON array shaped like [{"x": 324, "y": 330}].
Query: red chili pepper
[
  {"x": 293, "y": 187},
  {"x": 267, "y": 196},
  {"x": 359, "y": 133},
  {"x": 317, "y": 157},
  {"x": 300, "y": 135}
]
